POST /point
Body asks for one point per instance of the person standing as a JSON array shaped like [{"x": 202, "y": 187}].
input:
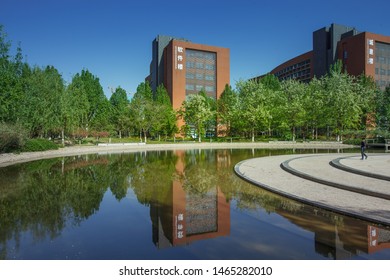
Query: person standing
[{"x": 363, "y": 148}]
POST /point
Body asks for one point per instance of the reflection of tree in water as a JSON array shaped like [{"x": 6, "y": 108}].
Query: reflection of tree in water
[
  {"x": 150, "y": 176},
  {"x": 42, "y": 197}
]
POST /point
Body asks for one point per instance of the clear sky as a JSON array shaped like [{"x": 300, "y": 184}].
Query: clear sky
[{"x": 113, "y": 38}]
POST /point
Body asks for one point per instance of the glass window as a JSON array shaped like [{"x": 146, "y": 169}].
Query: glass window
[
  {"x": 199, "y": 87},
  {"x": 209, "y": 78},
  {"x": 199, "y": 65},
  {"x": 210, "y": 67},
  {"x": 190, "y": 64},
  {"x": 210, "y": 88},
  {"x": 199, "y": 76},
  {"x": 190, "y": 87},
  {"x": 190, "y": 76}
]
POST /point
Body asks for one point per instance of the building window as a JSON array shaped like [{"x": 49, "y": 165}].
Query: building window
[
  {"x": 190, "y": 87},
  {"x": 199, "y": 87},
  {"x": 209, "y": 88},
  {"x": 199, "y": 76},
  {"x": 190, "y": 64},
  {"x": 201, "y": 68},
  {"x": 190, "y": 76},
  {"x": 199, "y": 65}
]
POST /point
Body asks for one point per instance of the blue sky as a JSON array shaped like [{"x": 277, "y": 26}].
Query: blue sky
[{"x": 113, "y": 39}]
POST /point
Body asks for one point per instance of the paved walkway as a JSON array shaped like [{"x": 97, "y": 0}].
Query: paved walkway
[{"x": 341, "y": 183}]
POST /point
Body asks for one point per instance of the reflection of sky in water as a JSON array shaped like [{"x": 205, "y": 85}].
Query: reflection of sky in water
[{"x": 134, "y": 216}]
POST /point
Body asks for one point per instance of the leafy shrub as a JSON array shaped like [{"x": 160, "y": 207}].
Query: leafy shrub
[
  {"x": 12, "y": 137},
  {"x": 35, "y": 145}
]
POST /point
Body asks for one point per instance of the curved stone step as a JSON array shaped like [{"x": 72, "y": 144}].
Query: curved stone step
[
  {"x": 267, "y": 173},
  {"x": 321, "y": 171}
]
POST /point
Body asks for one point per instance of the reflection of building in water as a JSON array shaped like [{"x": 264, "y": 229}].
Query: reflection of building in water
[
  {"x": 339, "y": 239},
  {"x": 378, "y": 239},
  {"x": 188, "y": 216}
]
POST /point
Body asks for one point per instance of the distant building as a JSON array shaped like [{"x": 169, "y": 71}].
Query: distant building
[
  {"x": 186, "y": 68},
  {"x": 361, "y": 53}
]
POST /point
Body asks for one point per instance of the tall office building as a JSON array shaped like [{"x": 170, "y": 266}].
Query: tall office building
[
  {"x": 360, "y": 52},
  {"x": 186, "y": 68}
]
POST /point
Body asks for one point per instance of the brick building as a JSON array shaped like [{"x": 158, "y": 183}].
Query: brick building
[{"x": 361, "y": 53}]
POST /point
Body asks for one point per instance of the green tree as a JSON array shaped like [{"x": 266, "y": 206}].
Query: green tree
[
  {"x": 344, "y": 104},
  {"x": 313, "y": 105},
  {"x": 164, "y": 115},
  {"x": 141, "y": 109},
  {"x": 254, "y": 108},
  {"x": 383, "y": 109},
  {"x": 44, "y": 90},
  {"x": 93, "y": 109},
  {"x": 291, "y": 112},
  {"x": 227, "y": 110},
  {"x": 197, "y": 112},
  {"x": 120, "y": 107},
  {"x": 13, "y": 73},
  {"x": 367, "y": 96},
  {"x": 270, "y": 81}
]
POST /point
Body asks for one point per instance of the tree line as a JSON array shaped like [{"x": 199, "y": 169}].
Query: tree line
[
  {"x": 37, "y": 101},
  {"x": 331, "y": 107}
]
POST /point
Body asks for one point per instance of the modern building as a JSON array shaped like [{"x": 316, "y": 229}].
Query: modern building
[
  {"x": 186, "y": 68},
  {"x": 360, "y": 52}
]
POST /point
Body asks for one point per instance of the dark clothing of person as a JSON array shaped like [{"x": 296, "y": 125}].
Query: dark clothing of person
[{"x": 363, "y": 148}]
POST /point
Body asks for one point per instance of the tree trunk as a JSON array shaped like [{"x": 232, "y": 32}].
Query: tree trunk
[
  {"x": 63, "y": 138},
  {"x": 293, "y": 134}
]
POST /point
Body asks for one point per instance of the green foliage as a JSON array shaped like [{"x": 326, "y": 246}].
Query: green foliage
[
  {"x": 198, "y": 112},
  {"x": 141, "y": 110},
  {"x": 12, "y": 137},
  {"x": 383, "y": 109},
  {"x": 35, "y": 145}
]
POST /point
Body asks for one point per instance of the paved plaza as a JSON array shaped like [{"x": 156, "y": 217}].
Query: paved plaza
[{"x": 341, "y": 183}]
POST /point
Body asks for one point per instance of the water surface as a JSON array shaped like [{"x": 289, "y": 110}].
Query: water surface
[{"x": 184, "y": 204}]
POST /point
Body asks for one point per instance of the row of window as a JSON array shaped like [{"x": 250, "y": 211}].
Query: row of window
[
  {"x": 293, "y": 67},
  {"x": 382, "y": 60},
  {"x": 200, "y": 54},
  {"x": 199, "y": 65},
  {"x": 200, "y": 87},
  {"x": 199, "y": 76},
  {"x": 296, "y": 75},
  {"x": 382, "y": 83},
  {"x": 382, "y": 47},
  {"x": 379, "y": 71}
]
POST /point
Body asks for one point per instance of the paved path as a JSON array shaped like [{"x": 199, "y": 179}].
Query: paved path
[{"x": 341, "y": 183}]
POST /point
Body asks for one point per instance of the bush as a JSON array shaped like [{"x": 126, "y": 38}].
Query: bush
[
  {"x": 35, "y": 145},
  {"x": 12, "y": 137}
]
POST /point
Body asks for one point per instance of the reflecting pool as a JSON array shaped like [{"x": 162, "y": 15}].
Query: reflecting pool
[{"x": 180, "y": 204}]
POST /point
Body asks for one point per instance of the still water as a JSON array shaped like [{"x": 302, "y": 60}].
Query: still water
[{"x": 182, "y": 204}]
